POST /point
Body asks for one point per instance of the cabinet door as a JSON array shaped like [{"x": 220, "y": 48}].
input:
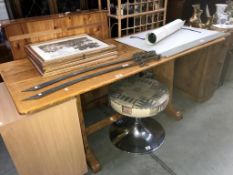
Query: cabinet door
[{"x": 48, "y": 142}]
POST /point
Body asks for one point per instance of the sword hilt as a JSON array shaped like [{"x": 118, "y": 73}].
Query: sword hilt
[{"x": 142, "y": 57}]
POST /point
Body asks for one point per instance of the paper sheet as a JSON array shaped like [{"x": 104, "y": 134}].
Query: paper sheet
[{"x": 183, "y": 39}]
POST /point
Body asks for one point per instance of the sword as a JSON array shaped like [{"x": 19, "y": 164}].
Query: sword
[{"x": 138, "y": 58}]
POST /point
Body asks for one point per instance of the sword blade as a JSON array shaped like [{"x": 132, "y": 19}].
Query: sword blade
[
  {"x": 70, "y": 83},
  {"x": 58, "y": 79},
  {"x": 140, "y": 58}
]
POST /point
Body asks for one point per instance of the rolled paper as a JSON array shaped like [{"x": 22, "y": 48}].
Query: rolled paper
[{"x": 163, "y": 32}]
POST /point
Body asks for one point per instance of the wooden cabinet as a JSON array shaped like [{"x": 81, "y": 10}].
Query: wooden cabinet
[
  {"x": 198, "y": 74},
  {"x": 227, "y": 72},
  {"x": 48, "y": 142},
  {"x": 132, "y": 16}
]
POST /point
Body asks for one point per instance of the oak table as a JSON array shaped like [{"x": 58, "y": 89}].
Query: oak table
[{"x": 43, "y": 137}]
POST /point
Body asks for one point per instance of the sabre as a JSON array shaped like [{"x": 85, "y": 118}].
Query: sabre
[
  {"x": 138, "y": 58},
  {"x": 72, "y": 74}
]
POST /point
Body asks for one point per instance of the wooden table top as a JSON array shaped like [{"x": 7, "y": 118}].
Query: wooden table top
[{"x": 19, "y": 75}]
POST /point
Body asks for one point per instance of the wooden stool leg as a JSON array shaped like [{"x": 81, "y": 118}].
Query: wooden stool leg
[
  {"x": 91, "y": 158},
  {"x": 165, "y": 74}
]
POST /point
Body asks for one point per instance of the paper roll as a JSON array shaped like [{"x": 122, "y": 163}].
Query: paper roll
[{"x": 163, "y": 32}]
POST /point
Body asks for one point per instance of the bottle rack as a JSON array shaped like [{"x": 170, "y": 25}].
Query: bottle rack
[{"x": 134, "y": 16}]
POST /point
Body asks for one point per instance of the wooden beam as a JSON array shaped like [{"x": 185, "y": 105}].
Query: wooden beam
[
  {"x": 165, "y": 74},
  {"x": 50, "y": 32},
  {"x": 83, "y": 4},
  {"x": 53, "y": 6},
  {"x": 99, "y": 4},
  {"x": 36, "y": 34},
  {"x": 91, "y": 158},
  {"x": 165, "y": 12},
  {"x": 16, "y": 8},
  {"x": 103, "y": 123}
]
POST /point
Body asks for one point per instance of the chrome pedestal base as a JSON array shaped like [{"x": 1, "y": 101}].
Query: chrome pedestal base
[{"x": 136, "y": 135}]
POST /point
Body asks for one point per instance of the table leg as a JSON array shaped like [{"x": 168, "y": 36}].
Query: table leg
[
  {"x": 90, "y": 156},
  {"x": 165, "y": 74},
  {"x": 171, "y": 110}
]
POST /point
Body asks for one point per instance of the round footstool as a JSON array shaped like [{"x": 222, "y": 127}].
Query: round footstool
[{"x": 138, "y": 99}]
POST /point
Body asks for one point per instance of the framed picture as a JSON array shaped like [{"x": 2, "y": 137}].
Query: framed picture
[
  {"x": 69, "y": 54},
  {"x": 67, "y": 48}
]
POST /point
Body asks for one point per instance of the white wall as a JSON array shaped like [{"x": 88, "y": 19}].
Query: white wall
[{"x": 3, "y": 11}]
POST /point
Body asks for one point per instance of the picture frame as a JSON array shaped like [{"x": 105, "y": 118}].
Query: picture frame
[
  {"x": 68, "y": 54},
  {"x": 66, "y": 48}
]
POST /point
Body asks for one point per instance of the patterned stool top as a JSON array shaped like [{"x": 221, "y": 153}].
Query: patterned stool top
[{"x": 138, "y": 97}]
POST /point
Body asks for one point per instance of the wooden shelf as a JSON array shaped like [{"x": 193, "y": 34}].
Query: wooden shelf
[
  {"x": 136, "y": 14},
  {"x": 138, "y": 11},
  {"x": 142, "y": 25},
  {"x": 143, "y": 2}
]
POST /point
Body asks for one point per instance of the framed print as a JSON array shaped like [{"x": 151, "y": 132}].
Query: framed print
[
  {"x": 70, "y": 53},
  {"x": 67, "y": 47}
]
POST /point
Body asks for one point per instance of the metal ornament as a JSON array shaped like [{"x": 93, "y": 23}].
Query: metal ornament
[{"x": 195, "y": 20}]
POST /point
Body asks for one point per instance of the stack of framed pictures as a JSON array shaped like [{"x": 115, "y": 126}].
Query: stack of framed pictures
[{"x": 70, "y": 53}]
